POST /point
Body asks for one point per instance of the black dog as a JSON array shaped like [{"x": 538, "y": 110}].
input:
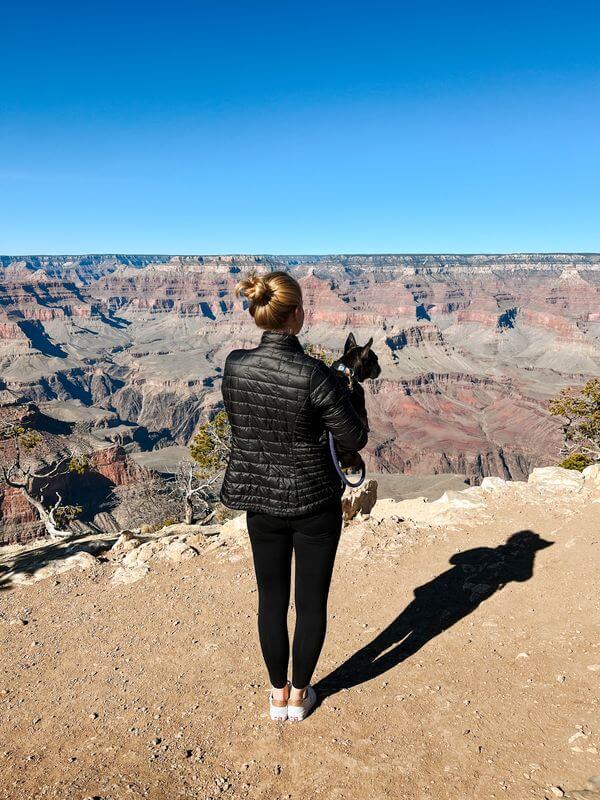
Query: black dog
[{"x": 358, "y": 364}]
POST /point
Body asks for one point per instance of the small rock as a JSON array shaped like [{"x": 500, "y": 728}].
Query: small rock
[
  {"x": 557, "y": 791},
  {"x": 130, "y": 574},
  {"x": 178, "y": 551}
]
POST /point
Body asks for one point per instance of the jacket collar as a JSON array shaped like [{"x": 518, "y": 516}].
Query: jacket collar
[{"x": 282, "y": 341}]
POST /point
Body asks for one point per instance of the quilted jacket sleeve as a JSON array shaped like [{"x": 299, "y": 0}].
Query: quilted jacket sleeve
[{"x": 333, "y": 403}]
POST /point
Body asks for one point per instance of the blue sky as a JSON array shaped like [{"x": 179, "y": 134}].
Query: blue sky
[{"x": 309, "y": 127}]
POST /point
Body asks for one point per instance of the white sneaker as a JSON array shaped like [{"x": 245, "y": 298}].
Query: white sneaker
[
  {"x": 298, "y": 713},
  {"x": 278, "y": 713}
]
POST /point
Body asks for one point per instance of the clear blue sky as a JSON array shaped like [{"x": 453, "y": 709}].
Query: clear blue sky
[{"x": 299, "y": 127}]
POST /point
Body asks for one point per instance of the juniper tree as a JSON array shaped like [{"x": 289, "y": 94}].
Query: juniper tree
[
  {"x": 209, "y": 449},
  {"x": 580, "y": 412}
]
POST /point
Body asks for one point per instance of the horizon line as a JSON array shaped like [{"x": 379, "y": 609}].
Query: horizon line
[{"x": 304, "y": 255}]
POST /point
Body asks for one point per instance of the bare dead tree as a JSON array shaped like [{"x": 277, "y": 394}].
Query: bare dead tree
[
  {"x": 195, "y": 491},
  {"x": 143, "y": 502},
  {"x": 20, "y": 469}
]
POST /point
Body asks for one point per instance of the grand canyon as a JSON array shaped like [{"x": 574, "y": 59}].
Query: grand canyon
[
  {"x": 461, "y": 656},
  {"x": 129, "y": 350}
]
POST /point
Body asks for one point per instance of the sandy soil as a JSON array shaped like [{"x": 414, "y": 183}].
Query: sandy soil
[{"x": 454, "y": 667}]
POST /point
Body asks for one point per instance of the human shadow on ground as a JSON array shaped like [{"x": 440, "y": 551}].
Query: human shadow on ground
[{"x": 474, "y": 577}]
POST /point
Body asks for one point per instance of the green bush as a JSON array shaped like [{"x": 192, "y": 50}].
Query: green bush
[{"x": 578, "y": 461}]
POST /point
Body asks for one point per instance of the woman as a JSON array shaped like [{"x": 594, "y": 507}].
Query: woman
[{"x": 281, "y": 402}]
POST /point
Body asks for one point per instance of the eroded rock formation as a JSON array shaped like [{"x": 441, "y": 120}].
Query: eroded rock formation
[{"x": 471, "y": 347}]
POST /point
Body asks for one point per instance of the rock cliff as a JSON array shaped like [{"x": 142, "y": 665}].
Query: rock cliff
[{"x": 471, "y": 347}]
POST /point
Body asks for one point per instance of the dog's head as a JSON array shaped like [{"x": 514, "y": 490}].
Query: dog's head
[{"x": 361, "y": 359}]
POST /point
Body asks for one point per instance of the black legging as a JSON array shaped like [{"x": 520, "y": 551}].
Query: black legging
[{"x": 314, "y": 539}]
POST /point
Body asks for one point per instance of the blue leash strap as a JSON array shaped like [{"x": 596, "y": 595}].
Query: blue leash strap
[{"x": 339, "y": 471}]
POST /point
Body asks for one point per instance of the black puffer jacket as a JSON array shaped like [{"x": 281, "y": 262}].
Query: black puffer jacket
[{"x": 281, "y": 402}]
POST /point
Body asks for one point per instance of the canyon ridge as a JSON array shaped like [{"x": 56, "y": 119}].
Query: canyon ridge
[{"x": 129, "y": 350}]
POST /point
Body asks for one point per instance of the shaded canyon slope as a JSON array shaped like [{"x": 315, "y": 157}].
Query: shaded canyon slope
[{"x": 471, "y": 347}]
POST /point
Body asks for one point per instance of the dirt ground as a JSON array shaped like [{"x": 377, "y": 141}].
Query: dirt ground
[{"x": 454, "y": 667}]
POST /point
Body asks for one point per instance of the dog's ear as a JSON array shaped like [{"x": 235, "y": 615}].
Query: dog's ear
[
  {"x": 367, "y": 347},
  {"x": 350, "y": 342}
]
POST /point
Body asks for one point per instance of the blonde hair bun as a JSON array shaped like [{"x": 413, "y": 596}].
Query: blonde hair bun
[
  {"x": 256, "y": 290},
  {"x": 272, "y": 298}
]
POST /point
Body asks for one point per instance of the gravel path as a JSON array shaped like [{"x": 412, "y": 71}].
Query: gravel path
[{"x": 449, "y": 671}]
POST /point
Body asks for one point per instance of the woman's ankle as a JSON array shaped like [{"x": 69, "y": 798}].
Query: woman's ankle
[
  {"x": 282, "y": 694},
  {"x": 297, "y": 695}
]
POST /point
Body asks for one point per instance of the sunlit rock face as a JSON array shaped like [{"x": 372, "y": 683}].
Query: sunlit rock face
[{"x": 471, "y": 347}]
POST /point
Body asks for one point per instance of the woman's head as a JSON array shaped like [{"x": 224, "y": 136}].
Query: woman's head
[{"x": 275, "y": 301}]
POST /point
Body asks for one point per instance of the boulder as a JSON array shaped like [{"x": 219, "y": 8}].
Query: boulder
[
  {"x": 84, "y": 560},
  {"x": 591, "y": 477},
  {"x": 130, "y": 574},
  {"x": 126, "y": 542},
  {"x": 177, "y": 551},
  {"x": 142, "y": 554},
  {"x": 360, "y": 500},
  {"x": 235, "y": 528},
  {"x": 452, "y": 506},
  {"x": 556, "y": 479},
  {"x": 135, "y": 554},
  {"x": 491, "y": 483},
  {"x": 80, "y": 560},
  {"x": 592, "y": 792}
]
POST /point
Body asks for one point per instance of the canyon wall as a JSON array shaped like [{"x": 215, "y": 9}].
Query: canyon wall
[{"x": 471, "y": 347}]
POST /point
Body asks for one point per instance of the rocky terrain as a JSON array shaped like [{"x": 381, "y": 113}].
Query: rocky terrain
[
  {"x": 147, "y": 336},
  {"x": 461, "y": 661},
  {"x": 471, "y": 347}
]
